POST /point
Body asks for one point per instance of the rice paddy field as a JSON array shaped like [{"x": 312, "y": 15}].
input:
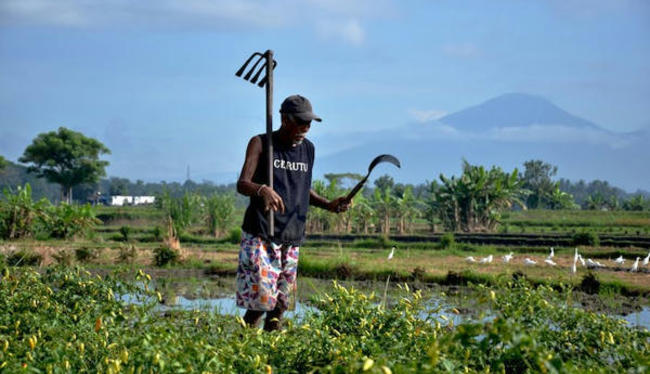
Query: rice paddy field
[{"x": 104, "y": 304}]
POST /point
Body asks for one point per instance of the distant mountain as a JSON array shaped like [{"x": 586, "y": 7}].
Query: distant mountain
[
  {"x": 514, "y": 110},
  {"x": 505, "y": 131}
]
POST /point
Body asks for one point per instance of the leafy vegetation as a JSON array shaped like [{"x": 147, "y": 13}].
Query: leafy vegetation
[
  {"x": 19, "y": 213},
  {"x": 67, "y": 158},
  {"x": 219, "y": 213},
  {"x": 48, "y": 325},
  {"x": 474, "y": 201},
  {"x": 179, "y": 213},
  {"x": 64, "y": 221},
  {"x": 164, "y": 255}
]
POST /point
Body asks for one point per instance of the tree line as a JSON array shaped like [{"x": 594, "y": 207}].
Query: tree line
[{"x": 468, "y": 202}]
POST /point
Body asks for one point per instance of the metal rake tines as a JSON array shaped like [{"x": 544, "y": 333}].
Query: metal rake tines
[{"x": 248, "y": 75}]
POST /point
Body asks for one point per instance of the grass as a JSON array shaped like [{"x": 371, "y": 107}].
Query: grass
[{"x": 341, "y": 261}]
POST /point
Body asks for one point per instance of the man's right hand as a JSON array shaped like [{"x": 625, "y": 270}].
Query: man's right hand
[{"x": 271, "y": 199}]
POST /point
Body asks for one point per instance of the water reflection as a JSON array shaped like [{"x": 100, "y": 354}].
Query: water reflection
[{"x": 219, "y": 298}]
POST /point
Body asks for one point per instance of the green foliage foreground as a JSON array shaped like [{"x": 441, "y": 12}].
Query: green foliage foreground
[{"x": 69, "y": 321}]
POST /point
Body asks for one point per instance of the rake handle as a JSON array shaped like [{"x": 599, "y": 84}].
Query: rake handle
[{"x": 268, "y": 55}]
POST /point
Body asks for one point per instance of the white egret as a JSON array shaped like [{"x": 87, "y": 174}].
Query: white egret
[
  {"x": 550, "y": 262},
  {"x": 470, "y": 259},
  {"x": 392, "y": 252},
  {"x": 529, "y": 262},
  {"x": 486, "y": 260},
  {"x": 582, "y": 260},
  {"x": 575, "y": 262},
  {"x": 591, "y": 264},
  {"x": 635, "y": 267},
  {"x": 552, "y": 254},
  {"x": 620, "y": 260},
  {"x": 508, "y": 257},
  {"x": 646, "y": 259}
]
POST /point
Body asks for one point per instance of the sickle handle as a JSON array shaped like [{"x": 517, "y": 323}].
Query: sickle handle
[{"x": 357, "y": 188}]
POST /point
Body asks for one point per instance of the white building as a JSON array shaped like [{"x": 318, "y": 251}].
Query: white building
[{"x": 121, "y": 200}]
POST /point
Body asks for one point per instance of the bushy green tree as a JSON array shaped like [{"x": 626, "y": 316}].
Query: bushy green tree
[
  {"x": 473, "y": 201},
  {"x": 67, "y": 158},
  {"x": 561, "y": 200},
  {"x": 637, "y": 203},
  {"x": 3, "y": 163},
  {"x": 537, "y": 179}
]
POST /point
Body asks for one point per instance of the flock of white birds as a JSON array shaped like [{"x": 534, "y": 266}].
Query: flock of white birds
[{"x": 577, "y": 258}]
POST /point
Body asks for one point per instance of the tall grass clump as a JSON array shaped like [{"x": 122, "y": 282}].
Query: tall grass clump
[{"x": 447, "y": 240}]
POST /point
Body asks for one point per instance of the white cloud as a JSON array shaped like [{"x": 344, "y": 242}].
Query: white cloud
[
  {"x": 557, "y": 134},
  {"x": 520, "y": 134},
  {"x": 426, "y": 114},
  {"x": 464, "y": 50},
  {"x": 349, "y": 31},
  {"x": 336, "y": 20},
  {"x": 342, "y": 17}
]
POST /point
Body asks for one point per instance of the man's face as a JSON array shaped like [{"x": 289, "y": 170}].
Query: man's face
[{"x": 297, "y": 130}]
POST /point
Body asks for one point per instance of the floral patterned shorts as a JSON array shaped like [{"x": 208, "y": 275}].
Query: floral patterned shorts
[{"x": 266, "y": 274}]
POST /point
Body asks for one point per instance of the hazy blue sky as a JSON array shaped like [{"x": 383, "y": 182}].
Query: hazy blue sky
[{"x": 154, "y": 80}]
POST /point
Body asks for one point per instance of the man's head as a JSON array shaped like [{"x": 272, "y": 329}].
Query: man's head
[{"x": 297, "y": 115}]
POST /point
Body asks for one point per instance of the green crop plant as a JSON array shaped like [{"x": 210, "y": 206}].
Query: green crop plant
[
  {"x": 65, "y": 221},
  {"x": 19, "y": 213},
  {"x": 67, "y": 320}
]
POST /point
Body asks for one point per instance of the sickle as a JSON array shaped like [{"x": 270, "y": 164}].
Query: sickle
[{"x": 378, "y": 160}]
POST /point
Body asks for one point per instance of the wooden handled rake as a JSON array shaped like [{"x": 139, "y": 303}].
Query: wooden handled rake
[{"x": 266, "y": 81}]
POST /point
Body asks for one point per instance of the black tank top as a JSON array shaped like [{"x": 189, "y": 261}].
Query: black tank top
[{"x": 292, "y": 171}]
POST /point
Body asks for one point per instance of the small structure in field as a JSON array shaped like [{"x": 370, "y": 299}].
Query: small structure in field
[{"x": 121, "y": 200}]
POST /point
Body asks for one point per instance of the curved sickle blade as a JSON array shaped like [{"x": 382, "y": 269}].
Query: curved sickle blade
[
  {"x": 384, "y": 158},
  {"x": 378, "y": 160}
]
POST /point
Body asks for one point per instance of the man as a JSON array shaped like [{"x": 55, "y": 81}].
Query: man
[{"x": 268, "y": 262}]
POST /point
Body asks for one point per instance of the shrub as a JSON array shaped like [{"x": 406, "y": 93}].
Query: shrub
[
  {"x": 165, "y": 255},
  {"x": 590, "y": 283},
  {"x": 585, "y": 238},
  {"x": 125, "y": 231},
  {"x": 24, "y": 258},
  {"x": 384, "y": 242},
  {"x": 64, "y": 257},
  {"x": 447, "y": 240},
  {"x": 19, "y": 213},
  {"x": 157, "y": 233},
  {"x": 84, "y": 254},
  {"x": 127, "y": 254},
  {"x": 234, "y": 236},
  {"x": 64, "y": 221}
]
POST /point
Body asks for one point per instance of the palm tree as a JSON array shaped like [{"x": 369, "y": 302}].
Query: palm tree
[
  {"x": 407, "y": 210},
  {"x": 384, "y": 203},
  {"x": 363, "y": 212}
]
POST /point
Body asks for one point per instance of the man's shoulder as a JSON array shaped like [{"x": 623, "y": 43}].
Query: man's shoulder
[{"x": 308, "y": 143}]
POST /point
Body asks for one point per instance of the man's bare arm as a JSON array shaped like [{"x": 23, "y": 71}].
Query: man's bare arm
[
  {"x": 337, "y": 205},
  {"x": 245, "y": 184}
]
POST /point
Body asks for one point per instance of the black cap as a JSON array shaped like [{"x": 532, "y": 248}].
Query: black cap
[{"x": 300, "y": 107}]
